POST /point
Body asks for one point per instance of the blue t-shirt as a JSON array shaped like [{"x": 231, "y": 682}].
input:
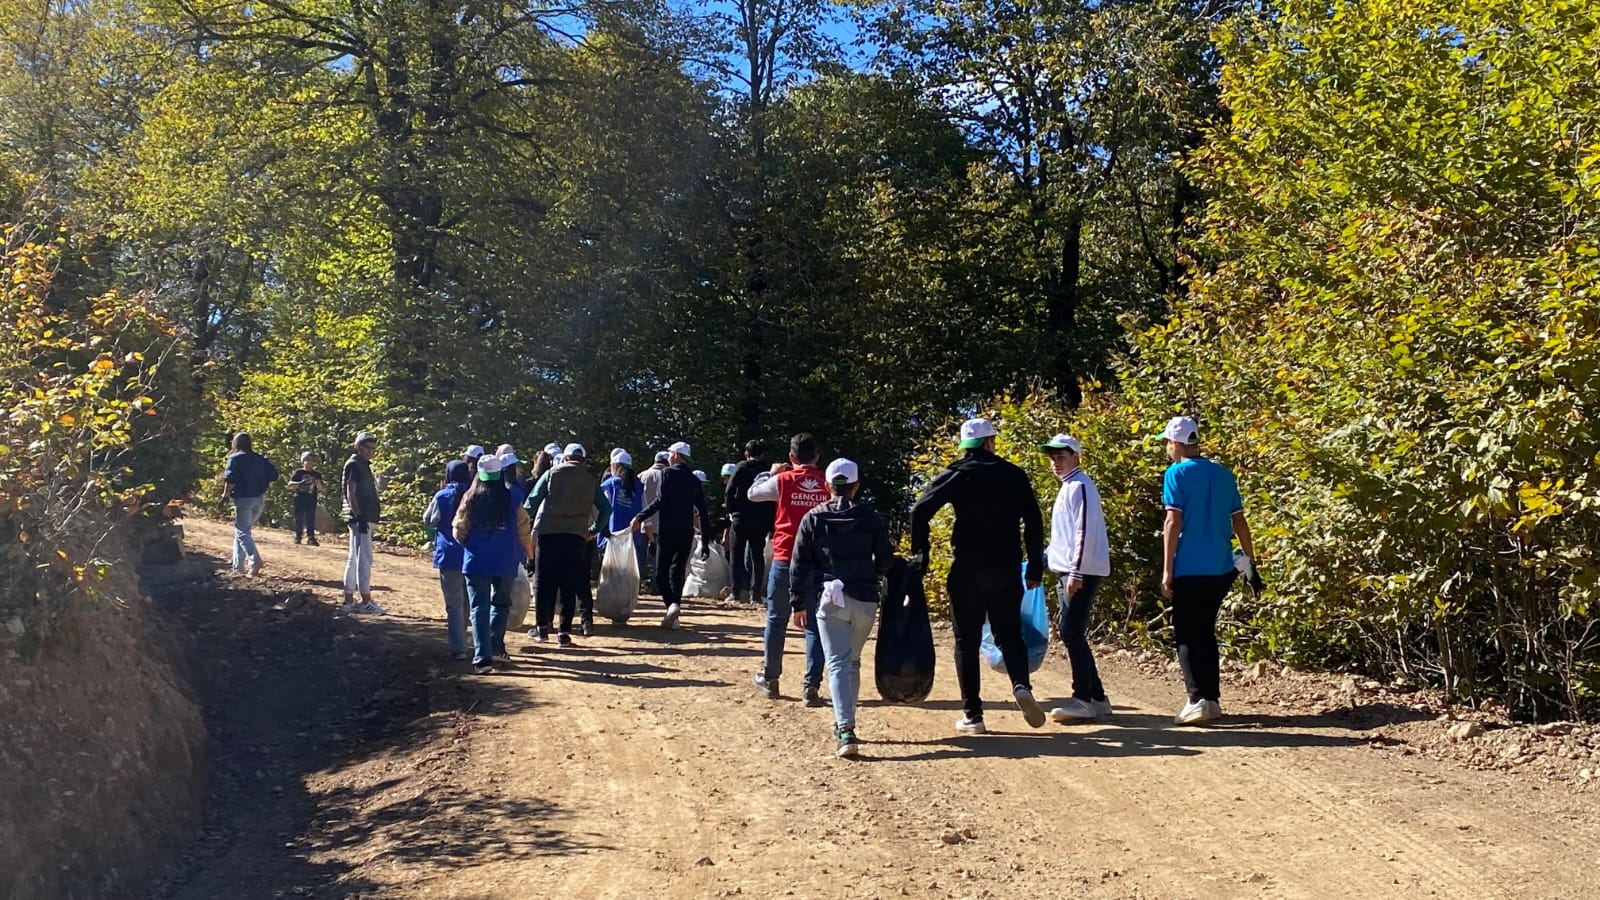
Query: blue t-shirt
[
  {"x": 624, "y": 505},
  {"x": 1208, "y": 496}
]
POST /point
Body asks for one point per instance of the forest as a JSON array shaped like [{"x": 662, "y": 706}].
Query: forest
[{"x": 1360, "y": 241}]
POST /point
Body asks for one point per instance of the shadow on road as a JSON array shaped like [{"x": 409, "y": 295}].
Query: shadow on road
[{"x": 327, "y": 731}]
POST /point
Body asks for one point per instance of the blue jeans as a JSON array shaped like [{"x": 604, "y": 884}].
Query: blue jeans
[
  {"x": 778, "y": 614},
  {"x": 246, "y": 510},
  {"x": 491, "y": 609},
  {"x": 844, "y": 631},
  {"x": 454, "y": 585},
  {"x": 1073, "y": 623}
]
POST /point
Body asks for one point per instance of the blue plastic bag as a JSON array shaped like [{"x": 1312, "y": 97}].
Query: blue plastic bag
[{"x": 1035, "y": 630}]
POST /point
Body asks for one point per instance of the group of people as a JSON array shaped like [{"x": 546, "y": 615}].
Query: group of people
[
  {"x": 496, "y": 515},
  {"x": 247, "y": 475}
]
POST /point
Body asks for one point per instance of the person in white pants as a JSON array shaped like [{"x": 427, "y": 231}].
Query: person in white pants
[{"x": 361, "y": 512}]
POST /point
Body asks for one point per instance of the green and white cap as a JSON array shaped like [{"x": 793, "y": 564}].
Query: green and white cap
[
  {"x": 1062, "y": 442},
  {"x": 975, "y": 431}
]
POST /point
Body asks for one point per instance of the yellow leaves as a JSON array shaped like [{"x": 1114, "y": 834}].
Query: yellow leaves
[{"x": 103, "y": 365}]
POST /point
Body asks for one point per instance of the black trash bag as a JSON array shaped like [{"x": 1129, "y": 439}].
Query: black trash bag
[{"x": 903, "y": 662}]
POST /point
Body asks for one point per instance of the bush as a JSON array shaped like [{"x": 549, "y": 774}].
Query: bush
[{"x": 88, "y": 442}]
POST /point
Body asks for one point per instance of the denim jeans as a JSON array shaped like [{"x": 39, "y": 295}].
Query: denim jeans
[
  {"x": 749, "y": 561},
  {"x": 246, "y": 510},
  {"x": 491, "y": 608},
  {"x": 305, "y": 515},
  {"x": 778, "y": 615},
  {"x": 1073, "y": 623},
  {"x": 844, "y": 631},
  {"x": 358, "y": 564},
  {"x": 454, "y": 586}
]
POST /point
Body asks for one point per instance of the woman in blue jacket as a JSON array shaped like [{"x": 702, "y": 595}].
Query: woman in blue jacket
[
  {"x": 494, "y": 533},
  {"x": 448, "y": 553},
  {"x": 626, "y": 493}
]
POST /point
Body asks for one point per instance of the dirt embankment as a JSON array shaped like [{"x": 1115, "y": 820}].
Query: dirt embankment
[{"x": 102, "y": 755}]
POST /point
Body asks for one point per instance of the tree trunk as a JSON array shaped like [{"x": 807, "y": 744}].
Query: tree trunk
[{"x": 1061, "y": 310}]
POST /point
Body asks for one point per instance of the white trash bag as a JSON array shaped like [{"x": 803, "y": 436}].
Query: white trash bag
[
  {"x": 521, "y": 597},
  {"x": 708, "y": 577},
  {"x": 618, "y": 594}
]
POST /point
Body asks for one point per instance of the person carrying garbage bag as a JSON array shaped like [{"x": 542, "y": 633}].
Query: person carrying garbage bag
[
  {"x": 568, "y": 509},
  {"x": 683, "y": 496},
  {"x": 841, "y": 550},
  {"x": 997, "y": 520}
]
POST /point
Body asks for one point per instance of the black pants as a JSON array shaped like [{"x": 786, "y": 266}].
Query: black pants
[
  {"x": 1196, "y": 600},
  {"x": 1073, "y": 623},
  {"x": 560, "y": 574},
  {"x": 749, "y": 561},
  {"x": 586, "y": 599},
  {"x": 977, "y": 592},
  {"x": 672, "y": 563},
  {"x": 305, "y": 515}
]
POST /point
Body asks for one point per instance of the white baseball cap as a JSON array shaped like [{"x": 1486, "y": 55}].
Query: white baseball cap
[
  {"x": 489, "y": 467},
  {"x": 728, "y": 470},
  {"x": 843, "y": 471},
  {"x": 1062, "y": 442},
  {"x": 474, "y": 451},
  {"x": 975, "y": 431},
  {"x": 700, "y": 475},
  {"x": 574, "y": 450},
  {"x": 681, "y": 449},
  {"x": 505, "y": 449},
  {"x": 663, "y": 457},
  {"x": 1182, "y": 429},
  {"x": 621, "y": 457},
  {"x": 306, "y": 455},
  {"x": 553, "y": 449}
]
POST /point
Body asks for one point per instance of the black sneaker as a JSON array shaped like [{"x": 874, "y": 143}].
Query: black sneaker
[
  {"x": 814, "y": 697},
  {"x": 313, "y": 542},
  {"x": 483, "y": 668},
  {"x": 849, "y": 746},
  {"x": 564, "y": 639},
  {"x": 297, "y": 539},
  {"x": 770, "y": 688}
]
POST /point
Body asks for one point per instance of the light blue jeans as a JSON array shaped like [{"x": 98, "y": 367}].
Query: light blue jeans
[
  {"x": 778, "y": 616},
  {"x": 246, "y": 510},
  {"x": 454, "y": 585},
  {"x": 844, "y": 631}
]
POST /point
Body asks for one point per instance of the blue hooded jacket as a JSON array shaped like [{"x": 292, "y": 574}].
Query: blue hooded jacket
[
  {"x": 447, "y": 552},
  {"x": 623, "y": 506}
]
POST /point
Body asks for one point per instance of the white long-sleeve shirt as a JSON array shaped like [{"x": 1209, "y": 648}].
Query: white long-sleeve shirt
[{"x": 1078, "y": 541}]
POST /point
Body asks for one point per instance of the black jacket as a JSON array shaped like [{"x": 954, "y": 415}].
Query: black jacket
[
  {"x": 991, "y": 497},
  {"x": 844, "y": 540},
  {"x": 747, "y": 517},
  {"x": 682, "y": 495}
]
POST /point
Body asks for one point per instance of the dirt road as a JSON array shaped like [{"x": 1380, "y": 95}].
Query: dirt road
[{"x": 356, "y": 760}]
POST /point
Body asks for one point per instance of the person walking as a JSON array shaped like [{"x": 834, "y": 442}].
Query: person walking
[
  {"x": 568, "y": 508},
  {"x": 1204, "y": 513},
  {"x": 625, "y": 492},
  {"x": 997, "y": 520},
  {"x": 448, "y": 553},
  {"x": 490, "y": 529},
  {"x": 840, "y": 551},
  {"x": 751, "y": 521},
  {"x": 246, "y": 475},
  {"x": 306, "y": 482},
  {"x": 1079, "y": 556},
  {"x": 682, "y": 497},
  {"x": 650, "y": 479},
  {"x": 794, "y": 491},
  {"x": 361, "y": 514}
]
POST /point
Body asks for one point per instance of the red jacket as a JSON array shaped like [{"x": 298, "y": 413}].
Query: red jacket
[{"x": 796, "y": 491}]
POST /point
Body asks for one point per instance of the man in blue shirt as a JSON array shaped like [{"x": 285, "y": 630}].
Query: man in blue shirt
[{"x": 1204, "y": 512}]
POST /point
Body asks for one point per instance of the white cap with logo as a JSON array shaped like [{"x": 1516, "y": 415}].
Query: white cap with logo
[
  {"x": 843, "y": 471},
  {"x": 1182, "y": 429}
]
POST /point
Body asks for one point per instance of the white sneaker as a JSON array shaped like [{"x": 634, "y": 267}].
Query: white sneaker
[
  {"x": 670, "y": 620},
  {"x": 1102, "y": 708},
  {"x": 372, "y": 609},
  {"x": 1032, "y": 712},
  {"x": 1213, "y": 709},
  {"x": 350, "y": 606},
  {"x": 971, "y": 726},
  {"x": 1073, "y": 710},
  {"x": 1195, "y": 712}
]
